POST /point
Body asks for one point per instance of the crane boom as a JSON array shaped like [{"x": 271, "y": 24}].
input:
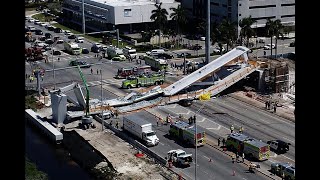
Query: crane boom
[{"x": 87, "y": 90}]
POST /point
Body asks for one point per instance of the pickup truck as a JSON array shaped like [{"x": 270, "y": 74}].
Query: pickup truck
[
  {"x": 179, "y": 157},
  {"x": 279, "y": 146}
]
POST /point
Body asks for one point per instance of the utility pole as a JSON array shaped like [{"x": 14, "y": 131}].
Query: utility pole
[
  {"x": 54, "y": 73},
  {"x": 117, "y": 37},
  {"x": 184, "y": 64},
  {"x": 102, "y": 119},
  {"x": 159, "y": 38},
  {"x": 83, "y": 19},
  {"x": 208, "y": 33},
  {"x": 195, "y": 173}
]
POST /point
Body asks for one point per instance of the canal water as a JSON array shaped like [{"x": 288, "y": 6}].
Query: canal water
[{"x": 50, "y": 158}]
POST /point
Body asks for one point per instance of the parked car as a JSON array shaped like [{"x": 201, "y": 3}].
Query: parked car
[
  {"x": 42, "y": 38},
  {"x": 180, "y": 55},
  {"x": 217, "y": 49},
  {"x": 85, "y": 51},
  {"x": 106, "y": 114},
  {"x": 196, "y": 47},
  {"x": 49, "y": 41},
  {"x": 57, "y": 30},
  {"x": 72, "y": 36},
  {"x": 82, "y": 64},
  {"x": 51, "y": 28},
  {"x": 165, "y": 56},
  {"x": 56, "y": 52},
  {"x": 38, "y": 32},
  {"x": 47, "y": 35},
  {"x": 79, "y": 39},
  {"x": 60, "y": 41},
  {"x": 279, "y": 167},
  {"x": 292, "y": 44}
]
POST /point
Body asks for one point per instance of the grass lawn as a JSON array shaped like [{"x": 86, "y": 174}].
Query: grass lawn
[{"x": 42, "y": 17}]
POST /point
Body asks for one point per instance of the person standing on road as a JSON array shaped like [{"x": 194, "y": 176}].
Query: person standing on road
[
  {"x": 223, "y": 142},
  {"x": 91, "y": 71},
  {"x": 117, "y": 125},
  {"x": 237, "y": 156},
  {"x": 242, "y": 157},
  {"x": 266, "y": 104},
  {"x": 97, "y": 71},
  {"x": 274, "y": 108},
  {"x": 219, "y": 142},
  {"x": 231, "y": 128},
  {"x": 233, "y": 158},
  {"x": 241, "y": 129}
]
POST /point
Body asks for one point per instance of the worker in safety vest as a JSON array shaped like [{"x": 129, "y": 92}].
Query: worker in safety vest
[
  {"x": 241, "y": 129},
  {"x": 231, "y": 128}
]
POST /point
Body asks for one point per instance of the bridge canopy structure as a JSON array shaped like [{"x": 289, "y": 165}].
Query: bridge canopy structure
[{"x": 206, "y": 70}]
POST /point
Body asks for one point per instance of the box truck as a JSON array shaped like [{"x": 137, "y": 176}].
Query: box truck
[{"x": 141, "y": 129}]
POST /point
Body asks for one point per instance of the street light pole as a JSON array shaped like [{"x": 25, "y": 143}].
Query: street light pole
[
  {"x": 184, "y": 64},
  {"x": 208, "y": 33},
  {"x": 195, "y": 173},
  {"x": 102, "y": 120},
  {"x": 54, "y": 73},
  {"x": 83, "y": 20}
]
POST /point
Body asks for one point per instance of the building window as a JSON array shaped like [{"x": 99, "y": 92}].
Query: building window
[
  {"x": 259, "y": 7},
  {"x": 239, "y": 14},
  {"x": 239, "y": 4},
  {"x": 127, "y": 12},
  {"x": 224, "y": 5},
  {"x": 215, "y": 4},
  {"x": 229, "y": 2},
  {"x": 229, "y": 9},
  {"x": 229, "y": 15},
  {"x": 269, "y": 17}
]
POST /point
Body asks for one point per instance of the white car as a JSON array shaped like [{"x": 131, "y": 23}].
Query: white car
[
  {"x": 31, "y": 20},
  {"x": 79, "y": 39},
  {"x": 269, "y": 46},
  {"x": 66, "y": 32},
  {"x": 217, "y": 49},
  {"x": 37, "y": 22},
  {"x": 43, "y": 24},
  {"x": 202, "y": 38}
]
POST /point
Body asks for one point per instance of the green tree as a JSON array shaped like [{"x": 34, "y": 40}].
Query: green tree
[
  {"x": 159, "y": 16},
  {"x": 270, "y": 28},
  {"x": 179, "y": 16},
  {"x": 228, "y": 32},
  {"x": 277, "y": 32},
  {"x": 246, "y": 30}
]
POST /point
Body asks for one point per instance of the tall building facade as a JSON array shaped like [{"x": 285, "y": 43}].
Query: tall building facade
[{"x": 235, "y": 10}]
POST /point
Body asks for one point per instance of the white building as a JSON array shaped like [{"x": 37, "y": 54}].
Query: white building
[
  {"x": 235, "y": 10},
  {"x": 106, "y": 14}
]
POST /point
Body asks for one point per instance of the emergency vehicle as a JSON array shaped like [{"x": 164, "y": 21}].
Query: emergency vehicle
[
  {"x": 137, "y": 70},
  {"x": 251, "y": 147}
]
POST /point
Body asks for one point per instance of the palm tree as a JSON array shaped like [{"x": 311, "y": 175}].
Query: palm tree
[
  {"x": 179, "y": 16},
  {"x": 270, "y": 28},
  {"x": 246, "y": 30},
  {"x": 159, "y": 16},
  {"x": 228, "y": 30},
  {"x": 277, "y": 31}
]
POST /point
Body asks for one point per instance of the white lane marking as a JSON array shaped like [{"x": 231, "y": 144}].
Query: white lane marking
[
  {"x": 271, "y": 161},
  {"x": 217, "y": 128},
  {"x": 206, "y": 157},
  {"x": 202, "y": 120},
  {"x": 288, "y": 158},
  {"x": 161, "y": 143}
]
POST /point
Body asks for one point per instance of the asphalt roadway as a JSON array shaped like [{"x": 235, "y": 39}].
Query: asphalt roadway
[{"x": 217, "y": 116}]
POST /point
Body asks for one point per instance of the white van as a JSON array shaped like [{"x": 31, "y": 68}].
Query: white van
[
  {"x": 129, "y": 51},
  {"x": 155, "y": 52}
]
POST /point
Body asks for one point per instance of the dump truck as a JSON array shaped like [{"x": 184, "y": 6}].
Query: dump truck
[
  {"x": 179, "y": 157},
  {"x": 252, "y": 148},
  {"x": 72, "y": 48},
  {"x": 140, "y": 128},
  {"x": 156, "y": 64},
  {"x": 186, "y": 133},
  {"x": 34, "y": 54},
  {"x": 137, "y": 70},
  {"x": 143, "y": 80}
]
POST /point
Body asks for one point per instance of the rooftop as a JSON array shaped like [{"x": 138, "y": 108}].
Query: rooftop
[{"x": 129, "y": 2}]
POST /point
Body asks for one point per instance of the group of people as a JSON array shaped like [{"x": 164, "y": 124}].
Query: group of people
[
  {"x": 232, "y": 129},
  {"x": 235, "y": 157},
  {"x": 270, "y": 105}
]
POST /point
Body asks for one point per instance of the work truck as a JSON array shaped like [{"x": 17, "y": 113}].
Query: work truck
[
  {"x": 155, "y": 63},
  {"x": 143, "y": 80},
  {"x": 187, "y": 133},
  {"x": 115, "y": 53},
  {"x": 140, "y": 128},
  {"x": 252, "y": 148},
  {"x": 130, "y": 52},
  {"x": 72, "y": 48},
  {"x": 179, "y": 157}
]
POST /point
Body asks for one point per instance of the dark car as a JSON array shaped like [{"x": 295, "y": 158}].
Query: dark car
[
  {"x": 279, "y": 146},
  {"x": 57, "y": 30},
  {"x": 49, "y": 41},
  {"x": 47, "y": 35},
  {"x": 292, "y": 44},
  {"x": 85, "y": 51},
  {"x": 38, "y": 32},
  {"x": 51, "y": 28},
  {"x": 55, "y": 52},
  {"x": 196, "y": 47},
  {"x": 72, "y": 36},
  {"x": 42, "y": 38},
  {"x": 181, "y": 55},
  {"x": 82, "y": 64},
  {"x": 164, "y": 56}
]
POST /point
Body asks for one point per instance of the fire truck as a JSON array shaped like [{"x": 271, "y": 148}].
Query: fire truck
[
  {"x": 34, "y": 54},
  {"x": 143, "y": 80},
  {"x": 187, "y": 133},
  {"x": 251, "y": 147},
  {"x": 125, "y": 72}
]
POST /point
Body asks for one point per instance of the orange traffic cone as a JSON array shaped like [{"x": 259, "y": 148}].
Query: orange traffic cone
[{"x": 233, "y": 173}]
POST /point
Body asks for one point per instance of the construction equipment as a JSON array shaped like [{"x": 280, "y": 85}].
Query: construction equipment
[
  {"x": 137, "y": 70},
  {"x": 185, "y": 132},
  {"x": 179, "y": 157},
  {"x": 33, "y": 54},
  {"x": 87, "y": 119},
  {"x": 156, "y": 64},
  {"x": 29, "y": 37},
  {"x": 251, "y": 147},
  {"x": 143, "y": 80}
]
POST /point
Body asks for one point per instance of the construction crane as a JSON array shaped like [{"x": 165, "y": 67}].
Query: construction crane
[{"x": 87, "y": 119}]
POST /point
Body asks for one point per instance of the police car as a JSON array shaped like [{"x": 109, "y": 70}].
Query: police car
[{"x": 279, "y": 146}]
